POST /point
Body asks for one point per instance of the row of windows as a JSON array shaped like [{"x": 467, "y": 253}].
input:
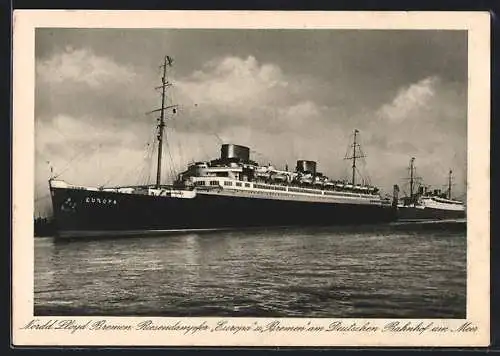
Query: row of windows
[
  {"x": 343, "y": 194},
  {"x": 216, "y": 183},
  {"x": 269, "y": 187},
  {"x": 446, "y": 201},
  {"x": 283, "y": 194},
  {"x": 291, "y": 189},
  {"x": 238, "y": 184},
  {"x": 301, "y": 190}
]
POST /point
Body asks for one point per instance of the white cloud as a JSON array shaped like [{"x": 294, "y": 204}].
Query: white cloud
[
  {"x": 233, "y": 82},
  {"x": 82, "y": 66},
  {"x": 409, "y": 99},
  {"x": 235, "y": 91},
  {"x": 428, "y": 121},
  {"x": 297, "y": 116},
  {"x": 68, "y": 132}
]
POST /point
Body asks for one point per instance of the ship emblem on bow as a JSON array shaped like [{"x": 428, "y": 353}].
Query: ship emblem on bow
[{"x": 68, "y": 205}]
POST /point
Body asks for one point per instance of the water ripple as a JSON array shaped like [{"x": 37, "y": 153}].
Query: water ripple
[{"x": 322, "y": 272}]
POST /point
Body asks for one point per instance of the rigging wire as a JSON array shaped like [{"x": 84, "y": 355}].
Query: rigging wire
[
  {"x": 122, "y": 174},
  {"x": 150, "y": 163},
  {"x": 77, "y": 157},
  {"x": 135, "y": 170},
  {"x": 179, "y": 144},
  {"x": 190, "y": 126},
  {"x": 172, "y": 167},
  {"x": 145, "y": 173}
]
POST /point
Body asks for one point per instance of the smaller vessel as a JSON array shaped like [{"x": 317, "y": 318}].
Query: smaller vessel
[{"x": 425, "y": 203}]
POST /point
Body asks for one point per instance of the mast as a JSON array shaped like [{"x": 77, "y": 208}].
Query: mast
[
  {"x": 449, "y": 184},
  {"x": 354, "y": 158},
  {"x": 412, "y": 161},
  {"x": 161, "y": 121},
  {"x": 355, "y": 154}
]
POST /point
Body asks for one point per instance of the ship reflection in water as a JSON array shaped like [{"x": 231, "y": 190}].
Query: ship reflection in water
[{"x": 395, "y": 270}]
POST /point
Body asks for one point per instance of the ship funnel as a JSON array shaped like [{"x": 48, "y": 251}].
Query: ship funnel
[
  {"x": 304, "y": 166},
  {"x": 235, "y": 152}
]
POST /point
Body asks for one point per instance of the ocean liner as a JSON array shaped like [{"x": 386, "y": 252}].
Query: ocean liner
[
  {"x": 231, "y": 191},
  {"x": 425, "y": 203}
]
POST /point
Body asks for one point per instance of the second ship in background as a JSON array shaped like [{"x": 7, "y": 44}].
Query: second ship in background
[{"x": 425, "y": 203}]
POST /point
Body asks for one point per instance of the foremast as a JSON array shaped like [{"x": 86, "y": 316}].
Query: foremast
[{"x": 167, "y": 62}]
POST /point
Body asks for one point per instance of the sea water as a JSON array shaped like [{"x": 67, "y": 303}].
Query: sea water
[{"x": 387, "y": 271}]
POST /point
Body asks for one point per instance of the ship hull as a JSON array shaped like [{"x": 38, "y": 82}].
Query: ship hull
[
  {"x": 427, "y": 213},
  {"x": 80, "y": 213}
]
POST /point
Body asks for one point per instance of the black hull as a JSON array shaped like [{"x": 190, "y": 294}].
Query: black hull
[
  {"x": 80, "y": 213},
  {"x": 411, "y": 213}
]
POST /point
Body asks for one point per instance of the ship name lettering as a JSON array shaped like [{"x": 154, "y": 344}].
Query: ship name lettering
[
  {"x": 224, "y": 326},
  {"x": 104, "y": 201}
]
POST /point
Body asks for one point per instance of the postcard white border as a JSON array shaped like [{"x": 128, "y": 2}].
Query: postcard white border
[{"x": 478, "y": 233}]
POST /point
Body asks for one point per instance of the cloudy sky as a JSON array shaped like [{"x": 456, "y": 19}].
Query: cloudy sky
[{"x": 288, "y": 94}]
